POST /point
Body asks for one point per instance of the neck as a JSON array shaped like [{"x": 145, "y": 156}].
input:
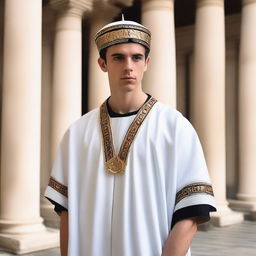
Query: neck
[{"x": 127, "y": 102}]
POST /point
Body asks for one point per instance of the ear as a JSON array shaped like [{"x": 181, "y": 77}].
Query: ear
[
  {"x": 102, "y": 65},
  {"x": 146, "y": 63}
]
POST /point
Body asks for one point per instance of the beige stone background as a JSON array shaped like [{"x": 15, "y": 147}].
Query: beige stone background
[{"x": 203, "y": 62}]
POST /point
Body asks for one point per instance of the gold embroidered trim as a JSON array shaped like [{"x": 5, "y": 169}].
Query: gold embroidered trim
[
  {"x": 122, "y": 26},
  {"x": 115, "y": 37},
  {"x": 192, "y": 189},
  {"x": 119, "y": 162},
  {"x": 62, "y": 189},
  {"x": 121, "y": 33},
  {"x": 106, "y": 132},
  {"x": 134, "y": 127}
]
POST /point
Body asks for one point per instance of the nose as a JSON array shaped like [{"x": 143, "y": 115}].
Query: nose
[{"x": 128, "y": 64}]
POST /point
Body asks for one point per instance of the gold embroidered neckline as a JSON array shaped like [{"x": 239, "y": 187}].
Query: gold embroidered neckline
[{"x": 116, "y": 163}]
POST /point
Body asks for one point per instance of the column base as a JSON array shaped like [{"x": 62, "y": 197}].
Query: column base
[
  {"x": 225, "y": 217},
  {"x": 30, "y": 242},
  {"x": 51, "y": 218},
  {"x": 247, "y": 207}
]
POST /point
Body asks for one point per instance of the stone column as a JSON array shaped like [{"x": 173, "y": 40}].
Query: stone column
[
  {"x": 67, "y": 86},
  {"x": 208, "y": 100},
  {"x": 247, "y": 117},
  {"x": 231, "y": 117},
  {"x": 191, "y": 79},
  {"x": 50, "y": 217},
  {"x": 182, "y": 83},
  {"x": 21, "y": 228},
  {"x": 1, "y": 52},
  {"x": 98, "y": 89},
  {"x": 160, "y": 78}
]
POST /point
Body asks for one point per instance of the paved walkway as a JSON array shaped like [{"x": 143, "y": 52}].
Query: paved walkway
[{"x": 236, "y": 240}]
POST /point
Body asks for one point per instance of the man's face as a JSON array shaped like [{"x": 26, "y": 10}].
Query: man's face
[{"x": 125, "y": 64}]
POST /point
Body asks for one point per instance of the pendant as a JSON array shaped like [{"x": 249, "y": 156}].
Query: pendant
[{"x": 115, "y": 165}]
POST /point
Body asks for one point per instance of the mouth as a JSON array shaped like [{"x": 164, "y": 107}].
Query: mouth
[{"x": 128, "y": 78}]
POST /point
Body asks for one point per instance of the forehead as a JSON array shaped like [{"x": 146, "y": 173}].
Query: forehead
[{"x": 126, "y": 48}]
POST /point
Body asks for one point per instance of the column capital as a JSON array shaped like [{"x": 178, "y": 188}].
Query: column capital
[
  {"x": 72, "y": 7},
  {"x": 201, "y": 3},
  {"x": 245, "y": 2},
  {"x": 120, "y": 3},
  {"x": 157, "y": 5},
  {"x": 106, "y": 10}
]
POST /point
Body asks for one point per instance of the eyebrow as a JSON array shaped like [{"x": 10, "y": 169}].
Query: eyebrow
[
  {"x": 121, "y": 54},
  {"x": 117, "y": 54}
]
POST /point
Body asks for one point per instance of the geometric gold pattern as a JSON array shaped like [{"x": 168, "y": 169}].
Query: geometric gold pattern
[
  {"x": 122, "y": 33},
  {"x": 193, "y": 189},
  {"x": 116, "y": 163},
  {"x": 58, "y": 187}
]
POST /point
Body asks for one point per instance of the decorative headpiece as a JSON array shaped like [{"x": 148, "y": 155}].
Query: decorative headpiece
[{"x": 122, "y": 32}]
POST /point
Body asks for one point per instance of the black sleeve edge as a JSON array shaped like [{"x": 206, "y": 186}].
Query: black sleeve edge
[
  {"x": 57, "y": 207},
  {"x": 201, "y": 210}
]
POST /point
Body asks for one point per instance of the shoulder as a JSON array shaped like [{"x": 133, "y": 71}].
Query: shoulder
[
  {"x": 167, "y": 110},
  {"x": 170, "y": 114},
  {"x": 165, "y": 115},
  {"x": 85, "y": 122},
  {"x": 87, "y": 119}
]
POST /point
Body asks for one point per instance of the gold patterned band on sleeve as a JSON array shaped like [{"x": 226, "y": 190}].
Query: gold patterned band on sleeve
[
  {"x": 62, "y": 189},
  {"x": 193, "y": 189}
]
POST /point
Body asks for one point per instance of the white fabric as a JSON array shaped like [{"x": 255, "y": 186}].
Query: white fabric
[
  {"x": 127, "y": 214},
  {"x": 122, "y": 22}
]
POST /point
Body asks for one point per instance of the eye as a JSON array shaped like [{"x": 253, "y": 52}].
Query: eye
[
  {"x": 137, "y": 57},
  {"x": 118, "y": 57}
]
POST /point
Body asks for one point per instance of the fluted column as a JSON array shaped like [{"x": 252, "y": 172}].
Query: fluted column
[
  {"x": 1, "y": 54},
  {"x": 67, "y": 87},
  {"x": 247, "y": 105},
  {"x": 50, "y": 217},
  {"x": 232, "y": 117},
  {"x": 182, "y": 83},
  {"x": 208, "y": 99},
  {"x": 160, "y": 78},
  {"x": 21, "y": 228},
  {"x": 98, "y": 89}
]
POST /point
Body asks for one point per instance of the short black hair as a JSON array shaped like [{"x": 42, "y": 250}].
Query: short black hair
[{"x": 103, "y": 53}]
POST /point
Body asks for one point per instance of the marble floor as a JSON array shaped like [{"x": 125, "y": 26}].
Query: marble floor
[{"x": 235, "y": 240}]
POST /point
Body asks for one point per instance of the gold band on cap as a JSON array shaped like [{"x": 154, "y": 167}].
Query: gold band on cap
[{"x": 122, "y": 33}]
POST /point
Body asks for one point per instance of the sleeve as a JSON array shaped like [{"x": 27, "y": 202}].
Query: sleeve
[
  {"x": 194, "y": 193},
  {"x": 57, "y": 189},
  {"x": 57, "y": 207}
]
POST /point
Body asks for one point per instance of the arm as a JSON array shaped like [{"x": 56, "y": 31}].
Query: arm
[
  {"x": 178, "y": 241},
  {"x": 64, "y": 233}
]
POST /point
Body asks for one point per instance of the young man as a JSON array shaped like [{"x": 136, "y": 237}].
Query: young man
[{"x": 129, "y": 178}]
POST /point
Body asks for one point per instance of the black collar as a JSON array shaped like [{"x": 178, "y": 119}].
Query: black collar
[{"x": 114, "y": 114}]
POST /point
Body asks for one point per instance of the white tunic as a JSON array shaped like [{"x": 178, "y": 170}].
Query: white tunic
[{"x": 128, "y": 214}]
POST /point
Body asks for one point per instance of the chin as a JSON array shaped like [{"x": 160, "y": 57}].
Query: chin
[{"x": 129, "y": 87}]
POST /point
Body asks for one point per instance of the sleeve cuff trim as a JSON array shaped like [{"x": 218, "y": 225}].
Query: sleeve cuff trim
[
  {"x": 54, "y": 195},
  {"x": 201, "y": 210},
  {"x": 192, "y": 189},
  {"x": 62, "y": 189},
  {"x": 57, "y": 207}
]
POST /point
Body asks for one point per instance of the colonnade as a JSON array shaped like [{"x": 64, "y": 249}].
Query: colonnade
[
  {"x": 247, "y": 119},
  {"x": 21, "y": 227},
  {"x": 21, "y": 107},
  {"x": 208, "y": 99}
]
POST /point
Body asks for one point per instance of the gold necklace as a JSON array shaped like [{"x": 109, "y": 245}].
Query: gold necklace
[{"x": 116, "y": 163}]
